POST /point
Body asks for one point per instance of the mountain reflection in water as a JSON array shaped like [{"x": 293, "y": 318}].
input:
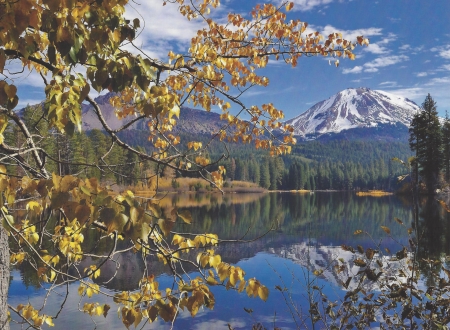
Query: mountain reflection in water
[{"x": 308, "y": 230}]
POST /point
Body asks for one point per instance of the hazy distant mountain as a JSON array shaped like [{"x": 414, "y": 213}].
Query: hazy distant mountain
[
  {"x": 355, "y": 108},
  {"x": 191, "y": 120}
]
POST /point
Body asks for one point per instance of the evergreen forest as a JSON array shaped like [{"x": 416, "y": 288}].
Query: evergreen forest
[{"x": 327, "y": 164}]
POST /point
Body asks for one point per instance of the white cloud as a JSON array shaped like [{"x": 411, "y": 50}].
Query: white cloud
[
  {"x": 305, "y": 5},
  {"x": 379, "y": 62},
  {"x": 421, "y": 74},
  {"x": 379, "y": 47},
  {"x": 350, "y": 34},
  {"x": 404, "y": 47},
  {"x": 388, "y": 83},
  {"x": 385, "y": 61},
  {"x": 438, "y": 81},
  {"x": 356, "y": 69},
  {"x": 166, "y": 29},
  {"x": 13, "y": 70},
  {"x": 412, "y": 93},
  {"x": 446, "y": 67},
  {"x": 443, "y": 51},
  {"x": 391, "y": 37},
  {"x": 410, "y": 50},
  {"x": 438, "y": 87},
  {"x": 445, "y": 54},
  {"x": 376, "y": 49}
]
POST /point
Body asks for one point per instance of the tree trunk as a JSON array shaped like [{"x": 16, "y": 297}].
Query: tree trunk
[{"x": 4, "y": 279}]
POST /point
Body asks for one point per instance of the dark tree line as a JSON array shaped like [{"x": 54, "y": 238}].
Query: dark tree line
[
  {"x": 274, "y": 173},
  {"x": 81, "y": 154}
]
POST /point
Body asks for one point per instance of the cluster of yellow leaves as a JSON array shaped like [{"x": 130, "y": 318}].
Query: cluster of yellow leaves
[
  {"x": 83, "y": 204},
  {"x": 8, "y": 96},
  {"x": 92, "y": 271},
  {"x": 148, "y": 303},
  {"x": 28, "y": 232},
  {"x": 95, "y": 309},
  {"x": 29, "y": 313},
  {"x": 8, "y": 185},
  {"x": 42, "y": 274},
  {"x": 200, "y": 295},
  {"x": 69, "y": 241},
  {"x": 217, "y": 176},
  {"x": 88, "y": 289},
  {"x": 3, "y": 124},
  {"x": 194, "y": 145},
  {"x": 185, "y": 244},
  {"x": 223, "y": 270},
  {"x": 53, "y": 37},
  {"x": 222, "y": 60},
  {"x": 17, "y": 257}
]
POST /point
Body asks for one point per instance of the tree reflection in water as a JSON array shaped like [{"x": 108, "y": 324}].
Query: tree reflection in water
[{"x": 315, "y": 224}]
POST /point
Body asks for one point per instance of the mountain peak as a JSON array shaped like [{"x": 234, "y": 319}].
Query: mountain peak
[{"x": 354, "y": 108}]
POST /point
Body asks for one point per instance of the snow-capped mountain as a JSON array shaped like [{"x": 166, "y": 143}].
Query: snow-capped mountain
[{"x": 354, "y": 108}]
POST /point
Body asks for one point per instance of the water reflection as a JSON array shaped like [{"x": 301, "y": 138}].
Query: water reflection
[
  {"x": 122, "y": 272},
  {"x": 320, "y": 220},
  {"x": 307, "y": 232}
]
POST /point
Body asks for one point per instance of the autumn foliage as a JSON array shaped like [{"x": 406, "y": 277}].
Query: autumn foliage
[{"x": 81, "y": 46}]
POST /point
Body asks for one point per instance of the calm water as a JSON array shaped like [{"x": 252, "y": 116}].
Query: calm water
[{"x": 308, "y": 232}]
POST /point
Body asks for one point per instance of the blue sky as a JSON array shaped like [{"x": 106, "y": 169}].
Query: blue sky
[{"x": 409, "y": 52}]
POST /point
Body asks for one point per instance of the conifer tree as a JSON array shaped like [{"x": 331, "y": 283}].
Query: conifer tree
[
  {"x": 265, "y": 174},
  {"x": 426, "y": 140},
  {"x": 446, "y": 147}
]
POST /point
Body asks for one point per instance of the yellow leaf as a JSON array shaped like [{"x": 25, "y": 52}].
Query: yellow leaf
[
  {"x": 185, "y": 215},
  {"x": 177, "y": 239},
  {"x": 214, "y": 261},
  {"x": 49, "y": 321},
  {"x": 174, "y": 111},
  {"x": 386, "y": 230},
  {"x": 11, "y": 91},
  {"x": 263, "y": 292},
  {"x": 241, "y": 286},
  {"x": 34, "y": 207},
  {"x": 99, "y": 310}
]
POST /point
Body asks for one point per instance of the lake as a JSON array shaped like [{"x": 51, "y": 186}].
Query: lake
[{"x": 307, "y": 233}]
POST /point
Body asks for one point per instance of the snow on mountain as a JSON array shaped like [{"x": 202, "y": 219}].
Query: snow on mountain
[{"x": 352, "y": 108}]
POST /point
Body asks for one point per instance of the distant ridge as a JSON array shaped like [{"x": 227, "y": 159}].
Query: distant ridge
[
  {"x": 352, "y": 114},
  {"x": 191, "y": 120}
]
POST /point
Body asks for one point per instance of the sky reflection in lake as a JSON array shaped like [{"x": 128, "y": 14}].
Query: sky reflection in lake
[{"x": 308, "y": 230}]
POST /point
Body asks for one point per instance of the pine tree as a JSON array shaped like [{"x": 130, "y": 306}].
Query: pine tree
[
  {"x": 265, "y": 174},
  {"x": 273, "y": 174},
  {"x": 426, "y": 140},
  {"x": 446, "y": 147}
]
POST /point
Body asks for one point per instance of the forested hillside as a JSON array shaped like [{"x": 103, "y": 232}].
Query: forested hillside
[{"x": 328, "y": 163}]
